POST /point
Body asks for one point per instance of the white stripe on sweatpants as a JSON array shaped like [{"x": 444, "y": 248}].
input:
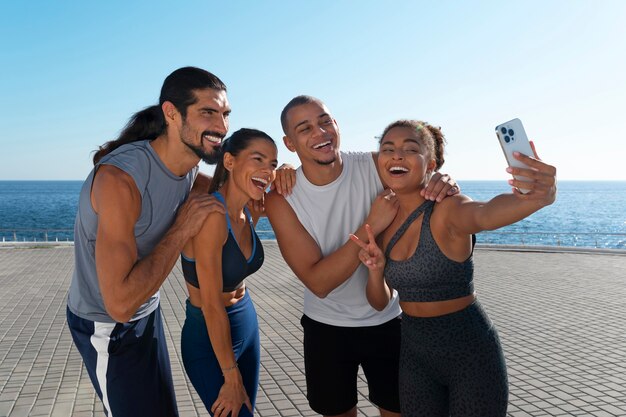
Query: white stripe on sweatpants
[{"x": 100, "y": 342}]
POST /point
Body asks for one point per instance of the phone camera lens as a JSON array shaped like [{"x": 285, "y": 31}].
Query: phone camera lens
[
  {"x": 507, "y": 139},
  {"x": 511, "y": 133},
  {"x": 503, "y": 130}
]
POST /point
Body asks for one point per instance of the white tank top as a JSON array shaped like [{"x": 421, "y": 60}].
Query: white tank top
[{"x": 330, "y": 213}]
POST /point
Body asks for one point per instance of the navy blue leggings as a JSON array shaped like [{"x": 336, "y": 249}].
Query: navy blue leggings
[
  {"x": 452, "y": 365},
  {"x": 199, "y": 359}
]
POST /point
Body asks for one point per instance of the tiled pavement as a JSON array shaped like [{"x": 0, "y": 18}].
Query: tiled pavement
[{"x": 561, "y": 319}]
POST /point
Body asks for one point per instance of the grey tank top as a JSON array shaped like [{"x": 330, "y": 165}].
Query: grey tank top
[
  {"x": 428, "y": 275},
  {"x": 162, "y": 193}
]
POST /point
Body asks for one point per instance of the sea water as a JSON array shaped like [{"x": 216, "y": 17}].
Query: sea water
[{"x": 586, "y": 214}]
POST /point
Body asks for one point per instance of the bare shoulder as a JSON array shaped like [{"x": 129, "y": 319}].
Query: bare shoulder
[
  {"x": 449, "y": 206},
  {"x": 452, "y": 201},
  {"x": 215, "y": 223},
  {"x": 112, "y": 176},
  {"x": 111, "y": 185},
  {"x": 283, "y": 218},
  {"x": 275, "y": 203},
  {"x": 213, "y": 229}
]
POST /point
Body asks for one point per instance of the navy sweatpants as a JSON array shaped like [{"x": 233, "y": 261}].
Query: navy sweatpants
[{"x": 128, "y": 365}]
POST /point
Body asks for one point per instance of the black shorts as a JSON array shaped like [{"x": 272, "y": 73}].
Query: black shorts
[{"x": 332, "y": 356}]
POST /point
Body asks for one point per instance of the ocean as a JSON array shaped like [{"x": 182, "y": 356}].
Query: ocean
[{"x": 586, "y": 214}]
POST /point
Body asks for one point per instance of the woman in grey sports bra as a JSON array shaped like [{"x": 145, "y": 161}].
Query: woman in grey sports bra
[{"x": 451, "y": 362}]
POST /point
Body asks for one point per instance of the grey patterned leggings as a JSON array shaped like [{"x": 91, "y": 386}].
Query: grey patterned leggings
[{"x": 452, "y": 365}]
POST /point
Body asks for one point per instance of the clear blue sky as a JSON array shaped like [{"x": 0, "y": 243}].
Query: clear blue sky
[{"x": 73, "y": 72}]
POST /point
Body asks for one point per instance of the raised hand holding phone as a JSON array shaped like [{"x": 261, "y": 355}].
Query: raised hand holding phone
[{"x": 512, "y": 138}]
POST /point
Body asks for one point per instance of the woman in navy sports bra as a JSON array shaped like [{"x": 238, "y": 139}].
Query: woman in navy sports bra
[
  {"x": 220, "y": 337},
  {"x": 451, "y": 361}
]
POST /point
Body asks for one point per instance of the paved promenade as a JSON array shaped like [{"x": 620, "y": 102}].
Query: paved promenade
[{"x": 561, "y": 319}]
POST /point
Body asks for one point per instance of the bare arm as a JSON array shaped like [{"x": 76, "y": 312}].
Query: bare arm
[
  {"x": 202, "y": 183},
  {"x": 467, "y": 216},
  {"x": 257, "y": 209},
  {"x": 321, "y": 274},
  {"x": 207, "y": 247},
  {"x": 125, "y": 282}
]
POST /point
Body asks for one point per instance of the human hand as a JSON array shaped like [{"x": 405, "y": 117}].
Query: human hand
[
  {"x": 370, "y": 254},
  {"x": 257, "y": 207},
  {"x": 192, "y": 214},
  {"x": 383, "y": 211},
  {"x": 230, "y": 399},
  {"x": 439, "y": 187},
  {"x": 285, "y": 179},
  {"x": 543, "y": 179}
]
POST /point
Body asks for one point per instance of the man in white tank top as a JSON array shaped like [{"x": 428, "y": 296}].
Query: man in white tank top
[{"x": 335, "y": 195}]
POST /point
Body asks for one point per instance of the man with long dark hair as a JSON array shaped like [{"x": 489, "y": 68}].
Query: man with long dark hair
[{"x": 135, "y": 214}]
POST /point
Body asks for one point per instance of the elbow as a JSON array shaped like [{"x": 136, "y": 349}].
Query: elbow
[
  {"x": 122, "y": 318},
  {"x": 378, "y": 303},
  {"x": 378, "y": 306},
  {"x": 319, "y": 293},
  {"x": 211, "y": 311},
  {"x": 482, "y": 223},
  {"x": 119, "y": 313},
  {"x": 314, "y": 286},
  {"x": 118, "y": 310}
]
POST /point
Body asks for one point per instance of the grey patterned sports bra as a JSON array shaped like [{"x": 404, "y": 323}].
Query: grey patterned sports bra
[{"x": 428, "y": 274}]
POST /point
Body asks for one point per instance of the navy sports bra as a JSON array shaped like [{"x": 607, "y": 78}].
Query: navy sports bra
[
  {"x": 428, "y": 275},
  {"x": 235, "y": 267}
]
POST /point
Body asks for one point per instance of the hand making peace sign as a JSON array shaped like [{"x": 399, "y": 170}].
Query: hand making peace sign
[{"x": 370, "y": 254}]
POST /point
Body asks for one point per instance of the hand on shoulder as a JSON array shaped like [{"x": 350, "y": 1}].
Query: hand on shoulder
[{"x": 285, "y": 179}]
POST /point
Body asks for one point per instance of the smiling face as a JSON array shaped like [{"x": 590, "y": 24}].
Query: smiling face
[
  {"x": 206, "y": 124},
  {"x": 253, "y": 169},
  {"x": 312, "y": 133},
  {"x": 405, "y": 159}
]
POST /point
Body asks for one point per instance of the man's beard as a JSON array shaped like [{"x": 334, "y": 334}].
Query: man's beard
[
  {"x": 210, "y": 158},
  {"x": 330, "y": 162}
]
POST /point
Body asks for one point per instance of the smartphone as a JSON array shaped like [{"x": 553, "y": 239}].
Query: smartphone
[{"x": 513, "y": 138}]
